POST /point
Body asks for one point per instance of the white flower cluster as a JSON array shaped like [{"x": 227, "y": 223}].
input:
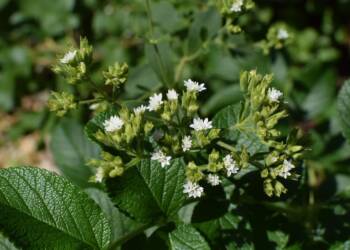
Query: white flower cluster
[
  {"x": 274, "y": 95},
  {"x": 193, "y": 190},
  {"x": 161, "y": 158},
  {"x": 172, "y": 95},
  {"x": 237, "y": 6},
  {"x": 99, "y": 174},
  {"x": 230, "y": 165},
  {"x": 68, "y": 57},
  {"x": 199, "y": 124},
  {"x": 114, "y": 123},
  {"x": 213, "y": 179},
  {"x": 186, "y": 143},
  {"x": 155, "y": 102},
  {"x": 193, "y": 86},
  {"x": 282, "y": 34},
  {"x": 286, "y": 168},
  {"x": 140, "y": 109}
]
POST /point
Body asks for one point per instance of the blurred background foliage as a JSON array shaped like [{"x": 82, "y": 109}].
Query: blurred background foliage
[{"x": 191, "y": 42}]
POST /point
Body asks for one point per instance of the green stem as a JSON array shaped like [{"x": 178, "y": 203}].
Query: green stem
[{"x": 226, "y": 146}]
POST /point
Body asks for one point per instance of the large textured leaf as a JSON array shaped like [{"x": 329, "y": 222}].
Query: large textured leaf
[
  {"x": 186, "y": 237},
  {"x": 5, "y": 244},
  {"x": 149, "y": 191},
  {"x": 121, "y": 225},
  {"x": 343, "y": 107},
  {"x": 40, "y": 210},
  {"x": 71, "y": 150},
  {"x": 226, "y": 119}
]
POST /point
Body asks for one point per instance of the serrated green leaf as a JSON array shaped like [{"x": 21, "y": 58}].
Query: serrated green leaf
[
  {"x": 148, "y": 191},
  {"x": 40, "y": 210},
  {"x": 343, "y": 107},
  {"x": 186, "y": 237},
  {"x": 226, "y": 119},
  {"x": 121, "y": 225},
  {"x": 5, "y": 244},
  {"x": 71, "y": 150}
]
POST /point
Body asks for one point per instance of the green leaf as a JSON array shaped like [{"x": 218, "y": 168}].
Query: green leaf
[
  {"x": 279, "y": 237},
  {"x": 161, "y": 59},
  {"x": 5, "y": 244},
  {"x": 148, "y": 191},
  {"x": 343, "y": 106},
  {"x": 71, "y": 150},
  {"x": 341, "y": 246},
  {"x": 186, "y": 237},
  {"x": 121, "y": 225},
  {"x": 40, "y": 210},
  {"x": 165, "y": 15},
  {"x": 226, "y": 119}
]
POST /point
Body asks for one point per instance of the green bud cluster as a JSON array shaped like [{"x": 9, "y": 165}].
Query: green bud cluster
[
  {"x": 116, "y": 75},
  {"x": 61, "y": 103},
  {"x": 73, "y": 65},
  {"x": 278, "y": 36},
  {"x": 232, "y": 10},
  {"x": 109, "y": 166}
]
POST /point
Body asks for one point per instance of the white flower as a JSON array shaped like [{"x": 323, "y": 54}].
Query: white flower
[
  {"x": 282, "y": 34},
  {"x": 161, "y": 158},
  {"x": 274, "y": 94},
  {"x": 213, "y": 179},
  {"x": 193, "y": 86},
  {"x": 193, "y": 190},
  {"x": 99, "y": 175},
  {"x": 186, "y": 143},
  {"x": 230, "y": 165},
  {"x": 172, "y": 95},
  {"x": 155, "y": 102},
  {"x": 237, "y": 6},
  {"x": 285, "y": 170},
  {"x": 201, "y": 124},
  {"x": 68, "y": 57},
  {"x": 140, "y": 109},
  {"x": 114, "y": 123}
]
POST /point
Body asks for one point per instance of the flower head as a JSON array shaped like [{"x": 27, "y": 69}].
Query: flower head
[
  {"x": 155, "y": 102},
  {"x": 282, "y": 34},
  {"x": 140, "y": 109},
  {"x": 237, "y": 6},
  {"x": 193, "y": 86},
  {"x": 172, "y": 95},
  {"x": 230, "y": 165},
  {"x": 286, "y": 168},
  {"x": 68, "y": 57},
  {"x": 161, "y": 158},
  {"x": 199, "y": 124},
  {"x": 114, "y": 123},
  {"x": 213, "y": 179},
  {"x": 186, "y": 143},
  {"x": 99, "y": 174},
  {"x": 274, "y": 94},
  {"x": 193, "y": 190}
]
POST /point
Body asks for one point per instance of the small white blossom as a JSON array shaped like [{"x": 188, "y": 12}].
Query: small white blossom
[
  {"x": 172, "y": 95},
  {"x": 114, "y": 123},
  {"x": 282, "y": 34},
  {"x": 199, "y": 124},
  {"x": 286, "y": 168},
  {"x": 230, "y": 165},
  {"x": 186, "y": 143},
  {"x": 68, "y": 57},
  {"x": 193, "y": 86},
  {"x": 99, "y": 174},
  {"x": 140, "y": 109},
  {"x": 274, "y": 94},
  {"x": 214, "y": 179},
  {"x": 155, "y": 102},
  {"x": 193, "y": 190},
  {"x": 161, "y": 158},
  {"x": 237, "y": 6}
]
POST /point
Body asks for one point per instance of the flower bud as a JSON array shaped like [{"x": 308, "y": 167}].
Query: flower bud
[{"x": 61, "y": 103}]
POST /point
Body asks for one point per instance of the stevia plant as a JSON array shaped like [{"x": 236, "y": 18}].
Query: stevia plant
[{"x": 155, "y": 172}]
